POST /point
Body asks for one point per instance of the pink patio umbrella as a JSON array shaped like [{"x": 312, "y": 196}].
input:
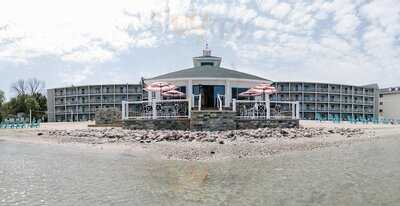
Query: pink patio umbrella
[
  {"x": 160, "y": 87},
  {"x": 173, "y": 93},
  {"x": 264, "y": 89},
  {"x": 250, "y": 93},
  {"x": 261, "y": 91}
]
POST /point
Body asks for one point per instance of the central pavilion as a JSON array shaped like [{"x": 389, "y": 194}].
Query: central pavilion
[{"x": 209, "y": 80}]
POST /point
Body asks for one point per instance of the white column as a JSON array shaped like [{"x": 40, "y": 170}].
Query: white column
[
  {"x": 293, "y": 110},
  {"x": 149, "y": 96},
  {"x": 158, "y": 95},
  {"x": 297, "y": 110},
  {"x": 154, "y": 105},
  {"x": 189, "y": 89},
  {"x": 123, "y": 110},
  {"x": 268, "y": 106},
  {"x": 228, "y": 93}
]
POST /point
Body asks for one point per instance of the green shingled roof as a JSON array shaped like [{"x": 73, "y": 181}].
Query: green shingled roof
[{"x": 208, "y": 72}]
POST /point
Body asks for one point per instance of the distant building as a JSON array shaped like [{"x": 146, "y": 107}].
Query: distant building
[
  {"x": 79, "y": 103},
  {"x": 389, "y": 103},
  {"x": 208, "y": 79},
  {"x": 324, "y": 100}
]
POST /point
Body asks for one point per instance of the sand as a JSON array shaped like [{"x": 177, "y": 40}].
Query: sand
[{"x": 237, "y": 148}]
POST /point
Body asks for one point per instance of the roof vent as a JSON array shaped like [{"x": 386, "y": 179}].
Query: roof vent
[{"x": 207, "y": 51}]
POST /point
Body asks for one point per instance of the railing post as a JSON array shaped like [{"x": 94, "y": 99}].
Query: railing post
[
  {"x": 293, "y": 110},
  {"x": 199, "y": 102},
  {"x": 189, "y": 107},
  {"x": 268, "y": 105},
  {"x": 219, "y": 102},
  {"x": 154, "y": 105},
  {"x": 234, "y": 105},
  {"x": 123, "y": 110}
]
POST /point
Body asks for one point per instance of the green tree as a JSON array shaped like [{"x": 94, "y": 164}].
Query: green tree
[
  {"x": 29, "y": 97},
  {"x": 31, "y": 104},
  {"x": 2, "y": 100},
  {"x": 2, "y": 97}
]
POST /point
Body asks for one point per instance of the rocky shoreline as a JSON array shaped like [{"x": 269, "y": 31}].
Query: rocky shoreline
[{"x": 118, "y": 135}]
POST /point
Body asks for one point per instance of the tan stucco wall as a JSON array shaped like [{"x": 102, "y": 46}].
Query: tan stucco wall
[{"x": 390, "y": 106}]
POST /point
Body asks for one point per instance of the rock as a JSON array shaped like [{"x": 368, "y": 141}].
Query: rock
[
  {"x": 39, "y": 133},
  {"x": 221, "y": 142},
  {"x": 307, "y": 135},
  {"x": 284, "y": 132}
]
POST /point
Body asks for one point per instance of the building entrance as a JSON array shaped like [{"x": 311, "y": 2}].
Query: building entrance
[{"x": 209, "y": 95}]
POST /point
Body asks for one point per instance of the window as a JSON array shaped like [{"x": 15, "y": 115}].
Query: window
[
  {"x": 380, "y": 103},
  {"x": 380, "y": 95},
  {"x": 236, "y": 92},
  {"x": 121, "y": 90},
  {"x": 207, "y": 63},
  {"x": 381, "y": 110}
]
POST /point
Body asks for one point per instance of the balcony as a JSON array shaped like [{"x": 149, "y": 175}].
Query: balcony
[
  {"x": 135, "y": 90},
  {"x": 349, "y": 91},
  {"x": 308, "y": 109},
  {"x": 358, "y": 110},
  {"x": 322, "y": 99},
  {"x": 358, "y": 92},
  {"x": 322, "y": 89},
  {"x": 71, "y": 93},
  {"x": 71, "y": 102},
  {"x": 346, "y": 110},
  {"x": 358, "y": 102},
  {"x": 334, "y": 110},
  {"x": 108, "y": 101},
  {"x": 309, "y": 90},
  {"x": 336, "y": 91},
  {"x": 309, "y": 100},
  {"x": 296, "y": 90},
  {"x": 334, "y": 100}
]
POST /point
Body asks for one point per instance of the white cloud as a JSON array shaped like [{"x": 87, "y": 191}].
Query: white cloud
[
  {"x": 80, "y": 30},
  {"x": 76, "y": 76},
  {"x": 265, "y": 23},
  {"x": 280, "y": 10},
  {"x": 355, "y": 37},
  {"x": 266, "y": 5}
]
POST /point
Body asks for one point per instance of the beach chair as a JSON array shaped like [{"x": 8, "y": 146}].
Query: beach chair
[{"x": 35, "y": 123}]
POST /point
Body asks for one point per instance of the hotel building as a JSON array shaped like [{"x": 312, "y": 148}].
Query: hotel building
[
  {"x": 389, "y": 103},
  {"x": 208, "y": 79}
]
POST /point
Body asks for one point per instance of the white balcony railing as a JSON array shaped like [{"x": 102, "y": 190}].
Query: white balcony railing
[
  {"x": 258, "y": 109},
  {"x": 156, "y": 109}
]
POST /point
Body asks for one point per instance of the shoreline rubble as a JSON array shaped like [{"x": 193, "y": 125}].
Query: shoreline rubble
[{"x": 118, "y": 135}]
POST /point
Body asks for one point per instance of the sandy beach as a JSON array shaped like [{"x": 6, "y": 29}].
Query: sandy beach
[{"x": 203, "y": 146}]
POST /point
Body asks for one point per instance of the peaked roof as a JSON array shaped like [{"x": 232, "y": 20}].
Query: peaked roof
[{"x": 208, "y": 72}]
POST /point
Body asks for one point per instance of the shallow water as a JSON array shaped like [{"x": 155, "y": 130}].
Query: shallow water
[{"x": 361, "y": 174}]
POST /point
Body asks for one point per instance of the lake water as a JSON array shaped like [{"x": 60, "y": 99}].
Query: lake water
[{"x": 361, "y": 174}]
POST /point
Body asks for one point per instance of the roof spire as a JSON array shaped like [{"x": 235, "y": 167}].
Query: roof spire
[{"x": 206, "y": 51}]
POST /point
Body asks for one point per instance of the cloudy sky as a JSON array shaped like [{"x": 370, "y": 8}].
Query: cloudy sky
[{"x": 67, "y": 42}]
